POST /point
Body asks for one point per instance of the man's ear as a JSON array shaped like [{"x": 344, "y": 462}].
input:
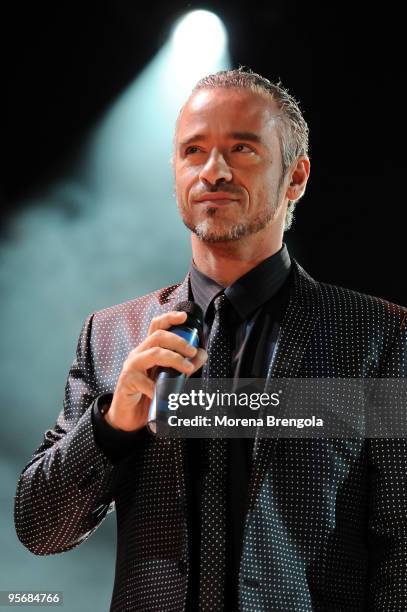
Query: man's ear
[{"x": 298, "y": 178}]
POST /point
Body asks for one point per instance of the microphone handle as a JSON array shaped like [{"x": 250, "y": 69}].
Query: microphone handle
[{"x": 168, "y": 381}]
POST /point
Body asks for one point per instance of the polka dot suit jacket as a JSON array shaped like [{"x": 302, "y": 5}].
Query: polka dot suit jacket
[{"x": 326, "y": 527}]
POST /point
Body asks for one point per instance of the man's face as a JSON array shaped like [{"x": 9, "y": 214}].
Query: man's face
[{"x": 227, "y": 164}]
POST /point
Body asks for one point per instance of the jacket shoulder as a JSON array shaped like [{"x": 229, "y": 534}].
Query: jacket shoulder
[
  {"x": 353, "y": 299},
  {"x": 349, "y": 309},
  {"x": 137, "y": 306},
  {"x": 354, "y": 306}
]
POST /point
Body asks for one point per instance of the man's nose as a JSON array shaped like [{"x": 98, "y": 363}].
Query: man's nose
[{"x": 215, "y": 168}]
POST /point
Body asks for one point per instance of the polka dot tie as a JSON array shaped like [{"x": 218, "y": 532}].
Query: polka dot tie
[{"x": 213, "y": 501}]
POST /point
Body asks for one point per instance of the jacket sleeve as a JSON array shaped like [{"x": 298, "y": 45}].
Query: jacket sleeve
[
  {"x": 115, "y": 443},
  {"x": 67, "y": 488},
  {"x": 387, "y": 522}
]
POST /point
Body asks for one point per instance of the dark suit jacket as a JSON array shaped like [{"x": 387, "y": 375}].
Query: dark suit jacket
[{"x": 326, "y": 527}]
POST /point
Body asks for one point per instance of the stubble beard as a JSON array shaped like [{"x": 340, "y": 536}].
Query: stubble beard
[{"x": 228, "y": 231}]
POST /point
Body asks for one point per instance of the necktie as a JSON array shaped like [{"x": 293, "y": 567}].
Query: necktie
[{"x": 213, "y": 501}]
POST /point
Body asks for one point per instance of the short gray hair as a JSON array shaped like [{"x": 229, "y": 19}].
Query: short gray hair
[{"x": 293, "y": 133}]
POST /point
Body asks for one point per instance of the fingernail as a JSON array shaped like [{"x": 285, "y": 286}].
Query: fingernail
[{"x": 202, "y": 354}]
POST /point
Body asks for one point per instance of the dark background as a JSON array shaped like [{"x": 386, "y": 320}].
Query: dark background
[{"x": 344, "y": 62}]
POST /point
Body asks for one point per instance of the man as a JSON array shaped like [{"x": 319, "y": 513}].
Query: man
[{"x": 312, "y": 524}]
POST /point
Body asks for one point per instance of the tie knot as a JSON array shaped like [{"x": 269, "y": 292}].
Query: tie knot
[{"x": 220, "y": 303}]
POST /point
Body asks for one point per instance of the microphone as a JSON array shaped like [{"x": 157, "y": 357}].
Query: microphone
[{"x": 170, "y": 380}]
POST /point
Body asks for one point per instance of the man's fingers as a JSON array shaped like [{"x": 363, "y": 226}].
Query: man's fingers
[
  {"x": 199, "y": 359},
  {"x": 158, "y": 356},
  {"x": 174, "y": 317},
  {"x": 137, "y": 384},
  {"x": 161, "y": 349},
  {"x": 169, "y": 340}
]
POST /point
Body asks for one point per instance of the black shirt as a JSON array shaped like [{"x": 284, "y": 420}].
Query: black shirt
[{"x": 259, "y": 300}]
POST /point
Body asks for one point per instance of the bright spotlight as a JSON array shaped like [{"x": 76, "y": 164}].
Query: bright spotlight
[{"x": 199, "y": 42}]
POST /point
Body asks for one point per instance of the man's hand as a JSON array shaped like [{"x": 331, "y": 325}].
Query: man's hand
[{"x": 135, "y": 386}]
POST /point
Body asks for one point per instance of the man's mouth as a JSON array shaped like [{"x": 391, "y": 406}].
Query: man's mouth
[
  {"x": 215, "y": 202},
  {"x": 216, "y": 197}
]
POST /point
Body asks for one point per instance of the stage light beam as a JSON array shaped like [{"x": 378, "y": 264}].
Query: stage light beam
[{"x": 199, "y": 42}]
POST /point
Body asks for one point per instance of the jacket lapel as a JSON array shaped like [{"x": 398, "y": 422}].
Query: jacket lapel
[
  {"x": 296, "y": 328},
  {"x": 169, "y": 297}
]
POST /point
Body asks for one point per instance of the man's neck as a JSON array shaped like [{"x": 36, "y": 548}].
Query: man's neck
[{"x": 226, "y": 262}]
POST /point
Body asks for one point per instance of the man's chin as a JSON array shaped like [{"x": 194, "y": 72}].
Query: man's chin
[
  {"x": 211, "y": 237},
  {"x": 212, "y": 232},
  {"x": 216, "y": 230}
]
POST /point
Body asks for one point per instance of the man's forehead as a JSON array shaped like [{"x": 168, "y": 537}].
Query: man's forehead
[{"x": 235, "y": 104}]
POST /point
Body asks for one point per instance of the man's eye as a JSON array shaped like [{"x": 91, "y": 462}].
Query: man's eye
[
  {"x": 240, "y": 148},
  {"x": 192, "y": 149}
]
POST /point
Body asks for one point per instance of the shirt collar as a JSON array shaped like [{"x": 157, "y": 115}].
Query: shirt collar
[{"x": 249, "y": 291}]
